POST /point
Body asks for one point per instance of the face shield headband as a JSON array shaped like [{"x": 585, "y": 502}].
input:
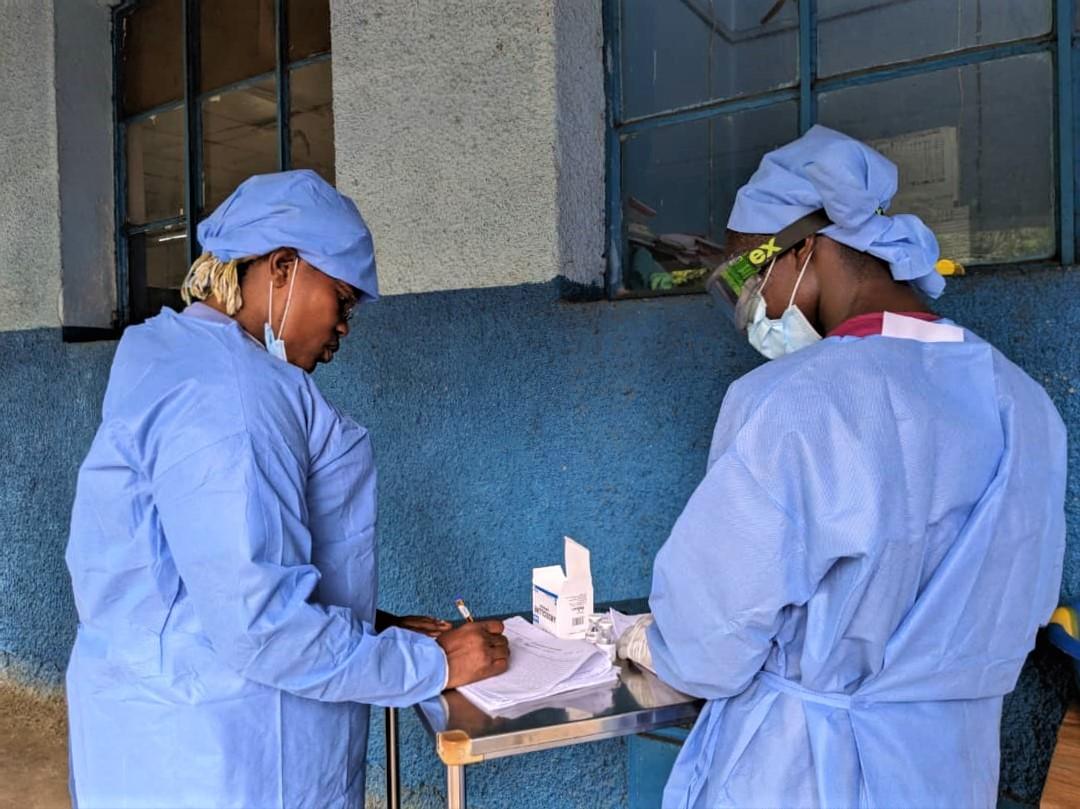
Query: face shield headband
[{"x": 732, "y": 283}]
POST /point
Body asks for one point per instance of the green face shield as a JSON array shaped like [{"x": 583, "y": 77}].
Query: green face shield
[{"x": 733, "y": 283}]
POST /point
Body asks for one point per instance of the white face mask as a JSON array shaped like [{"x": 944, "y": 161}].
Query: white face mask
[
  {"x": 775, "y": 338},
  {"x": 276, "y": 345}
]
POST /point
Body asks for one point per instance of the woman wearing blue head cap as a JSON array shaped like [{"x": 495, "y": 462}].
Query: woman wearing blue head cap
[
  {"x": 856, "y": 582},
  {"x": 222, "y": 546}
]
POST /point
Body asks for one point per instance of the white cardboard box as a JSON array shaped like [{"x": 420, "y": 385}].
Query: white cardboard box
[{"x": 562, "y": 601}]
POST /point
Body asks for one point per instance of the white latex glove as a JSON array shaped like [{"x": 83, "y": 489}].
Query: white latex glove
[{"x": 634, "y": 643}]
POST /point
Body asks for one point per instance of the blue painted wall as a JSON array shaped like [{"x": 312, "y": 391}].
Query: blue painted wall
[{"x": 502, "y": 419}]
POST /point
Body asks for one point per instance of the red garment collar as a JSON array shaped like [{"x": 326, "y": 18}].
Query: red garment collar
[{"x": 870, "y": 323}]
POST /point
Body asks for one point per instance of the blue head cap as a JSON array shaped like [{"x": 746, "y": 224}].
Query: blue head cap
[
  {"x": 854, "y": 184},
  {"x": 297, "y": 209}
]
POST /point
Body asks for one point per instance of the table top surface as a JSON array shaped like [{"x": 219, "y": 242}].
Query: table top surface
[{"x": 638, "y": 702}]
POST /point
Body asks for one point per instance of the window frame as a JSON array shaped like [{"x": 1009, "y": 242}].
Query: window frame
[
  {"x": 192, "y": 103},
  {"x": 1058, "y": 42}
]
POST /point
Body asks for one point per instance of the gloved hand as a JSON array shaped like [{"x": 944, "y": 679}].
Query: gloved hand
[{"x": 634, "y": 643}]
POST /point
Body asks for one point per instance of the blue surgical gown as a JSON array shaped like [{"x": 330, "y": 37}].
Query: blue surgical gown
[
  {"x": 856, "y": 582},
  {"x": 222, "y": 553}
]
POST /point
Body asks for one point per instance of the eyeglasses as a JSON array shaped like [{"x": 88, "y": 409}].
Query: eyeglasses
[{"x": 732, "y": 283}]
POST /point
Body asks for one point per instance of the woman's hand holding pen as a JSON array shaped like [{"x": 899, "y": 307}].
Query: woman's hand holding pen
[{"x": 475, "y": 651}]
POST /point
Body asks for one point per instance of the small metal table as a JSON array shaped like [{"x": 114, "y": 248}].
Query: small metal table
[{"x": 463, "y": 734}]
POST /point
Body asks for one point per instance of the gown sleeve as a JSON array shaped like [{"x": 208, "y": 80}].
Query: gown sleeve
[
  {"x": 733, "y": 562},
  {"x": 342, "y": 508},
  {"x": 232, "y": 514}
]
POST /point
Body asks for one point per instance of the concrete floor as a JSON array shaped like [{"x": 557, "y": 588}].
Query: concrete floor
[
  {"x": 33, "y": 750},
  {"x": 1062, "y": 789}
]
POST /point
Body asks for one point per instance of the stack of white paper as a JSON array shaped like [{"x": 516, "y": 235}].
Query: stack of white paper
[
  {"x": 540, "y": 666},
  {"x": 576, "y": 705}
]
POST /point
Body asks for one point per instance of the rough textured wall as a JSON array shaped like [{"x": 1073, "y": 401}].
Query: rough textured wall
[
  {"x": 50, "y": 406},
  {"x": 29, "y": 191},
  {"x": 501, "y": 419},
  {"x": 445, "y": 121}
]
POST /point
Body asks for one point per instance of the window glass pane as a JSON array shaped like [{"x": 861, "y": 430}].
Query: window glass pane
[
  {"x": 679, "y": 186},
  {"x": 237, "y": 40},
  {"x": 155, "y": 167},
  {"x": 311, "y": 119},
  {"x": 157, "y": 265},
  {"x": 309, "y": 27},
  {"x": 854, "y": 34},
  {"x": 974, "y": 146},
  {"x": 151, "y": 55},
  {"x": 681, "y": 52},
  {"x": 239, "y": 139}
]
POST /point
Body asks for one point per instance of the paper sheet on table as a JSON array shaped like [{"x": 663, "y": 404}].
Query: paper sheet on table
[
  {"x": 541, "y": 665},
  {"x": 581, "y": 704}
]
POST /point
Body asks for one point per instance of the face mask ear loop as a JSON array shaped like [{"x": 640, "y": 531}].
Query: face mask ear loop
[
  {"x": 270, "y": 306},
  {"x": 798, "y": 280},
  {"x": 768, "y": 272},
  {"x": 288, "y": 300}
]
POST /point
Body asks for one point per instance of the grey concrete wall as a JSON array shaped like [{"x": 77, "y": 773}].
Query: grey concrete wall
[
  {"x": 29, "y": 190},
  {"x": 84, "y": 123},
  {"x": 446, "y": 129},
  {"x": 580, "y": 107}
]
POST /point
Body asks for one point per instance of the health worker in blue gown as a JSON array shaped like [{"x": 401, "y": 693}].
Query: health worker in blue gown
[
  {"x": 222, "y": 546},
  {"x": 857, "y": 580}
]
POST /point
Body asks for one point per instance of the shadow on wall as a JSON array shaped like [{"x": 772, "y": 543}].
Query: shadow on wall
[{"x": 502, "y": 419}]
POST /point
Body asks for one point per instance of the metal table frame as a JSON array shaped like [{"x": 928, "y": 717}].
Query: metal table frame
[{"x": 638, "y": 703}]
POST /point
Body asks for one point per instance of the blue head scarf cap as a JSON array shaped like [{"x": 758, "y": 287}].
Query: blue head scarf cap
[
  {"x": 297, "y": 209},
  {"x": 854, "y": 184}
]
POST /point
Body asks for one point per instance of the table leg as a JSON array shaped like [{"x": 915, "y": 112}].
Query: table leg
[
  {"x": 455, "y": 786},
  {"x": 393, "y": 771}
]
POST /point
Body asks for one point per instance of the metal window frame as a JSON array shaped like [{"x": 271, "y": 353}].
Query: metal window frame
[
  {"x": 1059, "y": 42},
  {"x": 191, "y": 102}
]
